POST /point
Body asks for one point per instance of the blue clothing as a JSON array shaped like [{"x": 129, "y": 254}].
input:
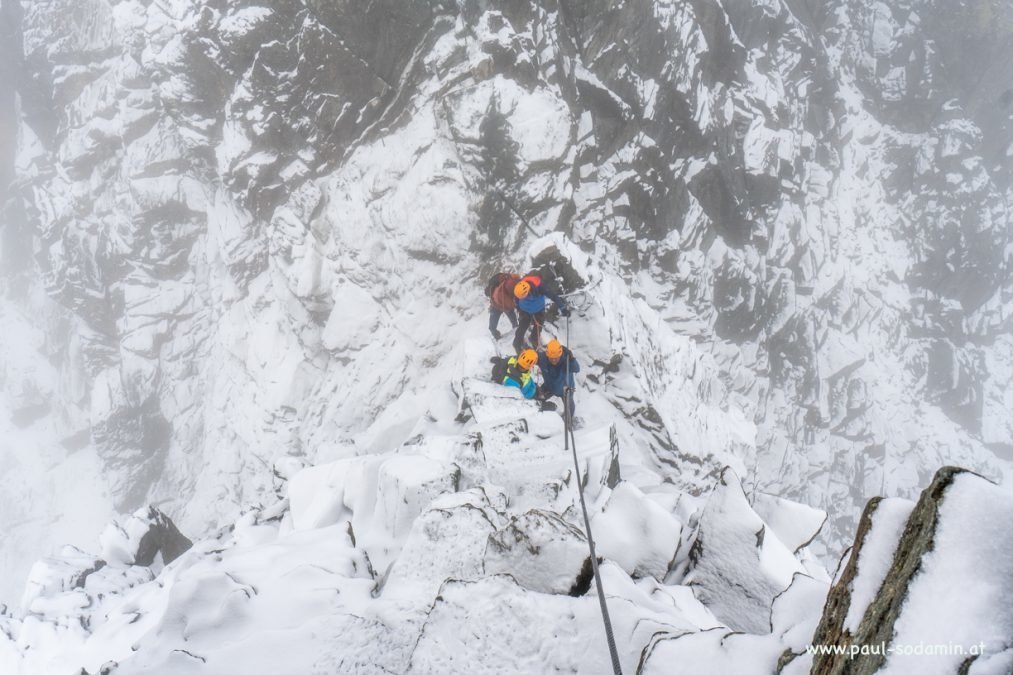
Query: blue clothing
[
  {"x": 554, "y": 376},
  {"x": 535, "y": 301},
  {"x": 520, "y": 378}
]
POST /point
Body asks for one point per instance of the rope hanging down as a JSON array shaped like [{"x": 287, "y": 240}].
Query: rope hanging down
[{"x": 571, "y": 444}]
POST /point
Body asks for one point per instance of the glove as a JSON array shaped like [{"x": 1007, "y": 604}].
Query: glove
[
  {"x": 496, "y": 334},
  {"x": 565, "y": 311}
]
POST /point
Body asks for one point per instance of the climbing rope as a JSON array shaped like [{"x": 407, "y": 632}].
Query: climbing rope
[{"x": 570, "y": 443}]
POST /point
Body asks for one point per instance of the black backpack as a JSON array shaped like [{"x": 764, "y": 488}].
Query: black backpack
[{"x": 499, "y": 368}]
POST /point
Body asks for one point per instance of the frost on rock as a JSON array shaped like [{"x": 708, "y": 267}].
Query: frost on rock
[
  {"x": 447, "y": 541},
  {"x": 542, "y": 552},
  {"x": 738, "y": 564}
]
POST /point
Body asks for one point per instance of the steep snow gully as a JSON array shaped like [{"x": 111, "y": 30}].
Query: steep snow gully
[{"x": 243, "y": 255}]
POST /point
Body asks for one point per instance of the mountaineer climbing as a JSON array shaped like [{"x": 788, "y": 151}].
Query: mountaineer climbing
[
  {"x": 531, "y": 292},
  {"x": 517, "y": 372},
  {"x": 557, "y": 365},
  {"x": 500, "y": 291}
]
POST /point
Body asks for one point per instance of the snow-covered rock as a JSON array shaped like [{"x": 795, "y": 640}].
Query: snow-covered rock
[
  {"x": 738, "y": 563},
  {"x": 930, "y": 581},
  {"x": 242, "y": 237}
]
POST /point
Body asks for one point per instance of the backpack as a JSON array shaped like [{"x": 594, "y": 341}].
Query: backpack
[
  {"x": 494, "y": 281},
  {"x": 499, "y": 368},
  {"x": 500, "y": 291}
]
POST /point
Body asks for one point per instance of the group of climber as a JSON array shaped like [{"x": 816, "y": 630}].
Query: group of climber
[{"x": 511, "y": 294}]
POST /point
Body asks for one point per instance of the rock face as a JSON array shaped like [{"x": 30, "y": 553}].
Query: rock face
[
  {"x": 252, "y": 232},
  {"x": 939, "y": 578},
  {"x": 143, "y": 536}
]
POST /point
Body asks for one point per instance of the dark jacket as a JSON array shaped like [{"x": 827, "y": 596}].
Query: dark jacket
[{"x": 554, "y": 376}]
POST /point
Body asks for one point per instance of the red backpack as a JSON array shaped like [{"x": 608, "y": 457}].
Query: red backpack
[{"x": 502, "y": 292}]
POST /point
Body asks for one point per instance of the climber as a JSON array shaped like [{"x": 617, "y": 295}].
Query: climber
[
  {"x": 557, "y": 365},
  {"x": 500, "y": 291},
  {"x": 531, "y": 292},
  {"x": 518, "y": 372}
]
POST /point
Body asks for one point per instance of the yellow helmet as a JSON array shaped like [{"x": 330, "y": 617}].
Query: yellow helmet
[
  {"x": 522, "y": 289},
  {"x": 554, "y": 350},
  {"x": 527, "y": 359}
]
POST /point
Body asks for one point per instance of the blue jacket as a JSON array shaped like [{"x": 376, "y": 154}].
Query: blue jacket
[
  {"x": 555, "y": 375},
  {"x": 535, "y": 302},
  {"x": 520, "y": 378}
]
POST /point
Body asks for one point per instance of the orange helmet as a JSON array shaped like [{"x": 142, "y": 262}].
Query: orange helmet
[
  {"x": 527, "y": 359},
  {"x": 554, "y": 350},
  {"x": 522, "y": 289}
]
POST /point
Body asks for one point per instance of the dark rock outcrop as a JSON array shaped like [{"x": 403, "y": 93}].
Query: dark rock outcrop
[
  {"x": 911, "y": 586},
  {"x": 139, "y": 539}
]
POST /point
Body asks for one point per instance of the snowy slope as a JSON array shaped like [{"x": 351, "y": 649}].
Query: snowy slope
[{"x": 458, "y": 551}]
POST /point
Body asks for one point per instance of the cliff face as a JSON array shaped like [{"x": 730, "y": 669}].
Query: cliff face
[{"x": 243, "y": 233}]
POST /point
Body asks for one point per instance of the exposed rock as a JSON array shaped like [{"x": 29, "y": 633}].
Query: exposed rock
[
  {"x": 142, "y": 537},
  {"x": 946, "y": 581}
]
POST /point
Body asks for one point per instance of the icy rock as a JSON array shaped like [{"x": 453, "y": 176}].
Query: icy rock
[
  {"x": 142, "y": 537},
  {"x": 955, "y": 380},
  {"x": 738, "y": 564},
  {"x": 542, "y": 552},
  {"x": 323, "y": 495},
  {"x": 466, "y": 452},
  {"x": 51, "y": 576},
  {"x": 796, "y": 613},
  {"x": 712, "y": 651},
  {"x": 494, "y": 626},
  {"x": 488, "y": 401},
  {"x": 958, "y": 530},
  {"x": 448, "y": 541},
  {"x": 839, "y": 355},
  {"x": 353, "y": 321},
  {"x": 286, "y": 468},
  {"x": 381, "y": 494},
  {"x": 406, "y": 484},
  {"x": 636, "y": 533},
  {"x": 796, "y": 525},
  {"x": 997, "y": 395}
]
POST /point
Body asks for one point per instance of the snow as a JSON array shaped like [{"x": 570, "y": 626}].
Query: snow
[
  {"x": 354, "y": 319},
  {"x": 876, "y": 556},
  {"x": 796, "y": 525},
  {"x": 242, "y": 21},
  {"x": 971, "y": 544},
  {"x": 735, "y": 543},
  {"x": 540, "y": 551},
  {"x": 636, "y": 533}
]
